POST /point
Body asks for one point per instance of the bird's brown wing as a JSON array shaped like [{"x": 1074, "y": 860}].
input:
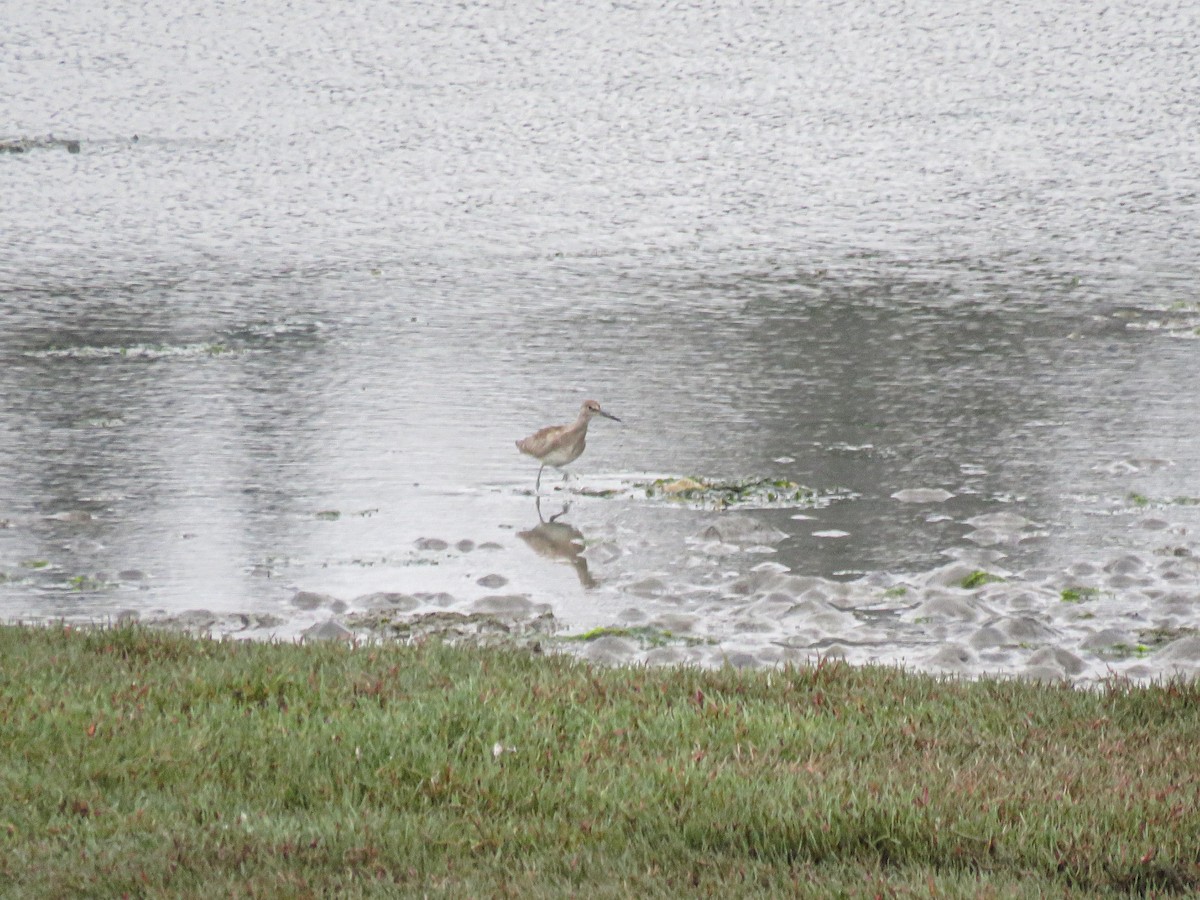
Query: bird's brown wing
[{"x": 538, "y": 442}]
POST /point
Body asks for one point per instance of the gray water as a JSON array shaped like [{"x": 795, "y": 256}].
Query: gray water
[{"x": 316, "y": 266}]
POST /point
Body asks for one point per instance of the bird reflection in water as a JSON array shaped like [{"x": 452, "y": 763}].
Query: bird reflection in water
[{"x": 558, "y": 540}]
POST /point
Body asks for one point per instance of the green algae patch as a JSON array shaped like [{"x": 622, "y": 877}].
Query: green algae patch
[
  {"x": 88, "y": 582},
  {"x": 1142, "y": 501},
  {"x": 979, "y": 578},
  {"x": 647, "y": 635},
  {"x": 756, "y": 493},
  {"x": 1127, "y": 651}
]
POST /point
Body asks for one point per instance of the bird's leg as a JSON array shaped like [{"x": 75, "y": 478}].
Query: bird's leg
[{"x": 538, "y": 486}]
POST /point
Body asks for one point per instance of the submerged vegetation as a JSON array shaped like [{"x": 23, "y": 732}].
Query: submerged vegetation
[
  {"x": 1079, "y": 594},
  {"x": 646, "y": 635},
  {"x": 747, "y": 492},
  {"x": 979, "y": 578},
  {"x": 144, "y": 763},
  {"x": 1142, "y": 501}
]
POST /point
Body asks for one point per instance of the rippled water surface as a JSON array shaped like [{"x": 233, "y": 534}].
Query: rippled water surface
[{"x": 268, "y": 337}]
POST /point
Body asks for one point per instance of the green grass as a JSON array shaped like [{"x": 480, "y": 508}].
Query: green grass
[{"x": 140, "y": 763}]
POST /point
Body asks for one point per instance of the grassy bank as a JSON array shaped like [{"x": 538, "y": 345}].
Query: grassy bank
[{"x": 146, "y": 763}]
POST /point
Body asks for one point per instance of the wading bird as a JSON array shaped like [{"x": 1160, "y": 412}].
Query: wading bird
[{"x": 558, "y": 445}]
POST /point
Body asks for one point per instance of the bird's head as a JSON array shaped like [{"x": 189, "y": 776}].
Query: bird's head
[{"x": 592, "y": 408}]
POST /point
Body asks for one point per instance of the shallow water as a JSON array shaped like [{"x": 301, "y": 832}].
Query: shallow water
[{"x": 283, "y": 341}]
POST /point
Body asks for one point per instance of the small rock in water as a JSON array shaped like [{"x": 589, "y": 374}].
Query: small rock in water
[
  {"x": 1061, "y": 659},
  {"x": 505, "y": 605},
  {"x": 194, "y": 619},
  {"x": 1107, "y": 639},
  {"x": 735, "y": 529},
  {"x": 465, "y": 546},
  {"x": 741, "y": 660},
  {"x": 987, "y": 637},
  {"x": 1126, "y": 565},
  {"x": 332, "y": 630},
  {"x": 675, "y": 623},
  {"x": 832, "y": 621},
  {"x": 987, "y": 537},
  {"x": 311, "y": 600},
  {"x": 610, "y": 649},
  {"x": 1183, "y": 650},
  {"x": 1139, "y": 673},
  {"x": 434, "y": 544},
  {"x": 492, "y": 581},
  {"x": 952, "y": 575},
  {"x": 922, "y": 495},
  {"x": 748, "y": 624},
  {"x": 390, "y": 599},
  {"x": 1001, "y": 521},
  {"x": 440, "y": 598},
  {"x": 1026, "y": 629},
  {"x": 1013, "y": 598},
  {"x": 664, "y": 656},
  {"x": 647, "y": 587},
  {"x": 947, "y": 607},
  {"x": 954, "y": 657},
  {"x": 1043, "y": 673},
  {"x": 1121, "y": 582}
]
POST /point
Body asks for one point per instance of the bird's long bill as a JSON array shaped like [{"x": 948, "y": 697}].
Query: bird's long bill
[{"x": 608, "y": 415}]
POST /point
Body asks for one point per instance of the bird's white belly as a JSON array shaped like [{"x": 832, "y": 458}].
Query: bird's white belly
[{"x": 560, "y": 456}]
